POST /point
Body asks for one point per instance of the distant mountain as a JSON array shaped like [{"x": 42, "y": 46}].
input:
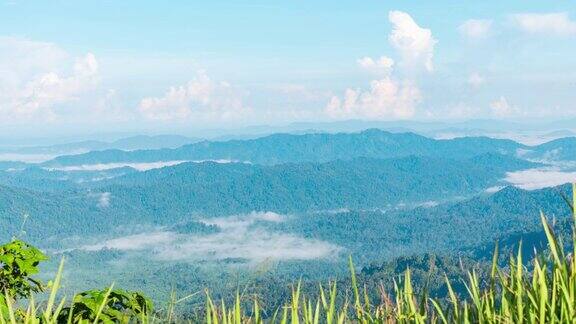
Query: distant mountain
[
  {"x": 39, "y": 179},
  {"x": 284, "y": 148},
  {"x": 563, "y": 149},
  {"x": 560, "y": 133},
  {"x": 141, "y": 142}
]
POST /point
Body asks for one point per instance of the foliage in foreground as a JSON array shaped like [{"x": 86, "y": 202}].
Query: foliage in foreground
[{"x": 542, "y": 292}]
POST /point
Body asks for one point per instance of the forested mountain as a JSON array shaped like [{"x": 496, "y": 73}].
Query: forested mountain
[
  {"x": 432, "y": 241},
  {"x": 49, "y": 218},
  {"x": 446, "y": 228},
  {"x": 362, "y": 183},
  {"x": 56, "y": 199},
  {"x": 8, "y": 165},
  {"x": 40, "y": 179},
  {"x": 284, "y": 148}
]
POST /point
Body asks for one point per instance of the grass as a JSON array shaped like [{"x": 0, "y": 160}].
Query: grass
[{"x": 542, "y": 292}]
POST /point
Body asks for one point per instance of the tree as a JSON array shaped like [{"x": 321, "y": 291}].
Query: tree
[
  {"x": 18, "y": 262},
  {"x": 108, "y": 306}
]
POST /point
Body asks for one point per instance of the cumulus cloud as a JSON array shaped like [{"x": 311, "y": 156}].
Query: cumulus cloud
[
  {"x": 390, "y": 97},
  {"x": 201, "y": 98},
  {"x": 501, "y": 108},
  {"x": 238, "y": 237},
  {"x": 21, "y": 58},
  {"x": 475, "y": 28},
  {"x": 46, "y": 90},
  {"x": 414, "y": 43},
  {"x": 382, "y": 65},
  {"x": 386, "y": 98},
  {"x": 558, "y": 23},
  {"x": 38, "y": 76}
]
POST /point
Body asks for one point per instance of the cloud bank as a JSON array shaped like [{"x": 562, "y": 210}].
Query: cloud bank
[
  {"x": 539, "y": 178},
  {"x": 239, "y": 237}
]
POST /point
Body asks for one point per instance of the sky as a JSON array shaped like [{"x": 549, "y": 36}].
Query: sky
[{"x": 155, "y": 66}]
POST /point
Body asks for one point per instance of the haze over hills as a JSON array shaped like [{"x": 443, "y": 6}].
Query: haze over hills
[{"x": 139, "y": 142}]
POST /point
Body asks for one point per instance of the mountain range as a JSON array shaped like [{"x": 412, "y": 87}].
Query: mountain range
[
  {"x": 171, "y": 194},
  {"x": 285, "y": 148}
]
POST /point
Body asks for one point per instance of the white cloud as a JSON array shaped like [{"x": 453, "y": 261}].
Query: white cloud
[
  {"x": 242, "y": 221},
  {"x": 390, "y": 97},
  {"x": 386, "y": 98},
  {"x": 539, "y": 178},
  {"x": 382, "y": 65},
  {"x": 558, "y": 23},
  {"x": 134, "y": 242},
  {"x": 415, "y": 44},
  {"x": 49, "y": 89},
  {"x": 255, "y": 245},
  {"x": 494, "y": 189},
  {"x": 239, "y": 236},
  {"x": 501, "y": 108},
  {"x": 201, "y": 98},
  {"x": 104, "y": 200},
  {"x": 476, "y": 80},
  {"x": 21, "y": 58},
  {"x": 475, "y": 28},
  {"x": 38, "y": 76}
]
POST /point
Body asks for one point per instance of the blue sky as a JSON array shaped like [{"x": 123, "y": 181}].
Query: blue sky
[{"x": 113, "y": 65}]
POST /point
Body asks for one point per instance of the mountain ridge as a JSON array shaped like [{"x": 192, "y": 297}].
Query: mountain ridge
[{"x": 318, "y": 147}]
